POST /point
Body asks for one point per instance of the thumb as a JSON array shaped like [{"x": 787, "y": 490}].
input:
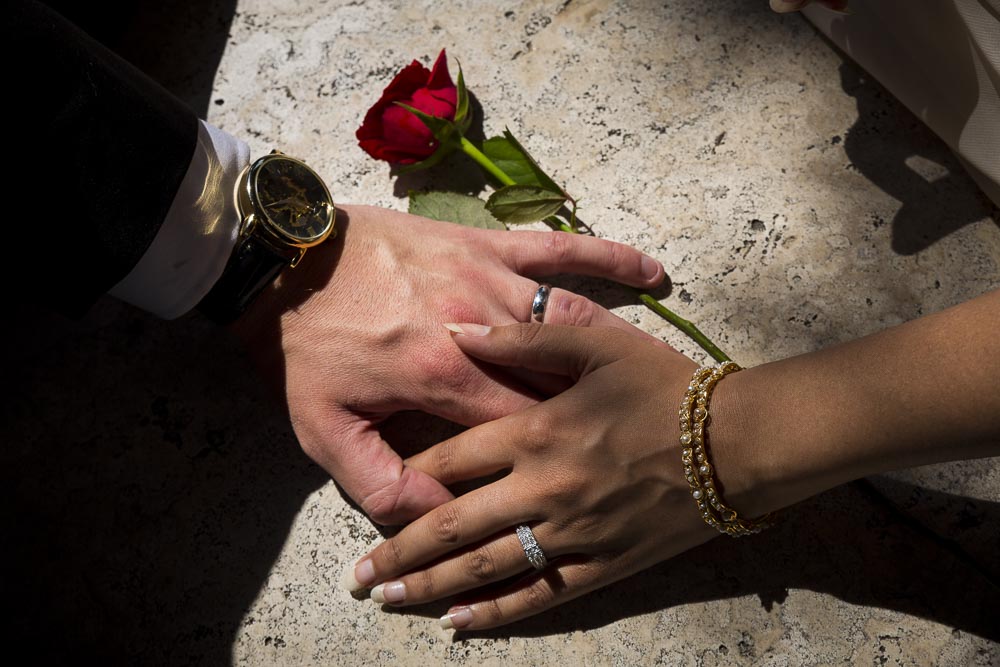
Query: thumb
[
  {"x": 373, "y": 475},
  {"x": 550, "y": 348}
]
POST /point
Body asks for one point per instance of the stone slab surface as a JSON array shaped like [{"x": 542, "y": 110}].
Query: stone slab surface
[{"x": 159, "y": 510}]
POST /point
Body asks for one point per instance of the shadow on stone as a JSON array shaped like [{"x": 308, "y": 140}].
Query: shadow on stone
[
  {"x": 150, "y": 485},
  {"x": 897, "y": 153}
]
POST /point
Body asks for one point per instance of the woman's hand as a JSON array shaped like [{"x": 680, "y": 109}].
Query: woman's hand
[
  {"x": 353, "y": 335},
  {"x": 595, "y": 472}
]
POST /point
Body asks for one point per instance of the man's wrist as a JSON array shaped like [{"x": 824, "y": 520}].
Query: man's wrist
[{"x": 196, "y": 239}]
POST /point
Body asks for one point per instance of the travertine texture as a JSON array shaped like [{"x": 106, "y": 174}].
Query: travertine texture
[{"x": 161, "y": 512}]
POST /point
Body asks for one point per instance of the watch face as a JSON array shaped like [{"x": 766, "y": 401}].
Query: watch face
[{"x": 294, "y": 199}]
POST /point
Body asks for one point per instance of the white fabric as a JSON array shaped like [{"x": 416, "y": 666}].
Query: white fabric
[
  {"x": 942, "y": 60},
  {"x": 198, "y": 235}
]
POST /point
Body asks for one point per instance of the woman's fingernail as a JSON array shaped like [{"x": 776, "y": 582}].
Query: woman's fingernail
[
  {"x": 358, "y": 576},
  {"x": 466, "y": 329},
  {"x": 457, "y": 619},
  {"x": 650, "y": 268},
  {"x": 392, "y": 592}
]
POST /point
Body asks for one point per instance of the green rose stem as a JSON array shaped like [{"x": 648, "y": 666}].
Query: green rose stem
[
  {"x": 688, "y": 327},
  {"x": 684, "y": 325},
  {"x": 470, "y": 149}
]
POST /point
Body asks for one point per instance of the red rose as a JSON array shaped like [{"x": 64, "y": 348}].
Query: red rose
[{"x": 392, "y": 133}]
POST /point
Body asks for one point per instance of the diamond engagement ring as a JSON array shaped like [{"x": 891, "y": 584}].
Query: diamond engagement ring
[
  {"x": 539, "y": 302},
  {"x": 531, "y": 549}
]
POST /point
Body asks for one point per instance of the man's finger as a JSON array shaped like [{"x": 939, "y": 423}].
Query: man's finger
[
  {"x": 372, "y": 473},
  {"x": 549, "y": 253},
  {"x": 547, "y": 348},
  {"x": 568, "y": 308}
]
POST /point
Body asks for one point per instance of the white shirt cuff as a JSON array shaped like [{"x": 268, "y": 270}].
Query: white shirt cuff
[{"x": 198, "y": 235}]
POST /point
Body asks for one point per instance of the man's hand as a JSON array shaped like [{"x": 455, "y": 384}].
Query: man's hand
[{"x": 354, "y": 334}]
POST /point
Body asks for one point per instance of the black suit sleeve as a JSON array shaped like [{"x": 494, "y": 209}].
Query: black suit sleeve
[{"x": 100, "y": 152}]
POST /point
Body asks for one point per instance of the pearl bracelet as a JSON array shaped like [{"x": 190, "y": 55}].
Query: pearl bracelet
[{"x": 697, "y": 467}]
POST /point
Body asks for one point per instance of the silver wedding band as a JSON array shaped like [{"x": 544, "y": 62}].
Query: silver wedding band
[
  {"x": 539, "y": 303},
  {"x": 531, "y": 549}
]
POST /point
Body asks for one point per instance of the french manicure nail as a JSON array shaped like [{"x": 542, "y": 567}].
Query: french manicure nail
[
  {"x": 650, "y": 268},
  {"x": 358, "y": 576},
  {"x": 457, "y": 619},
  {"x": 392, "y": 592},
  {"x": 467, "y": 329}
]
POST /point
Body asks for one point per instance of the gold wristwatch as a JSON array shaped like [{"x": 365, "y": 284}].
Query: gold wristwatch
[{"x": 285, "y": 209}]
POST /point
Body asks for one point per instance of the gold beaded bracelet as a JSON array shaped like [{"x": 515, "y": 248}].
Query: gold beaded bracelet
[{"x": 697, "y": 466}]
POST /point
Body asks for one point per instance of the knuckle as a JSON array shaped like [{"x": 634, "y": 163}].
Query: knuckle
[
  {"x": 390, "y": 555},
  {"x": 560, "y": 248},
  {"x": 461, "y": 310},
  {"x": 444, "y": 460},
  {"x": 579, "y": 311},
  {"x": 442, "y": 370},
  {"x": 481, "y": 565},
  {"x": 492, "y": 610},
  {"x": 537, "y": 431},
  {"x": 422, "y": 584},
  {"x": 538, "y": 595},
  {"x": 444, "y": 525},
  {"x": 614, "y": 254},
  {"x": 381, "y": 506},
  {"x": 563, "y": 489}
]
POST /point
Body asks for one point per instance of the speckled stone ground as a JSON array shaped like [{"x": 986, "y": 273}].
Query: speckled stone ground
[{"x": 159, "y": 510}]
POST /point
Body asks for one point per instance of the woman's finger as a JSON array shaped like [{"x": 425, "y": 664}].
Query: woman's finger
[
  {"x": 498, "y": 558},
  {"x": 550, "y": 348},
  {"x": 534, "y": 594},
  {"x": 470, "y": 518},
  {"x": 548, "y": 253},
  {"x": 475, "y": 453}
]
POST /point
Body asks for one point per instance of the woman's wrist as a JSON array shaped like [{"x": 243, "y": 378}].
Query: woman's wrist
[
  {"x": 761, "y": 440},
  {"x": 746, "y": 477},
  {"x": 907, "y": 396}
]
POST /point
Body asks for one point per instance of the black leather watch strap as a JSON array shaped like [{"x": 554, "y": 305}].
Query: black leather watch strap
[{"x": 252, "y": 267}]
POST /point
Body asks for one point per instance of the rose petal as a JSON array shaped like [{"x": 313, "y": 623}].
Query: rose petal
[
  {"x": 439, "y": 77},
  {"x": 426, "y": 101},
  {"x": 407, "y": 133},
  {"x": 394, "y": 134},
  {"x": 411, "y": 78}
]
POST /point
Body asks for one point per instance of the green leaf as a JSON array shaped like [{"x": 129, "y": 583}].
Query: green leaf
[
  {"x": 462, "y": 106},
  {"x": 453, "y": 207},
  {"x": 441, "y": 153},
  {"x": 518, "y": 204},
  {"x": 512, "y": 159},
  {"x": 442, "y": 128}
]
